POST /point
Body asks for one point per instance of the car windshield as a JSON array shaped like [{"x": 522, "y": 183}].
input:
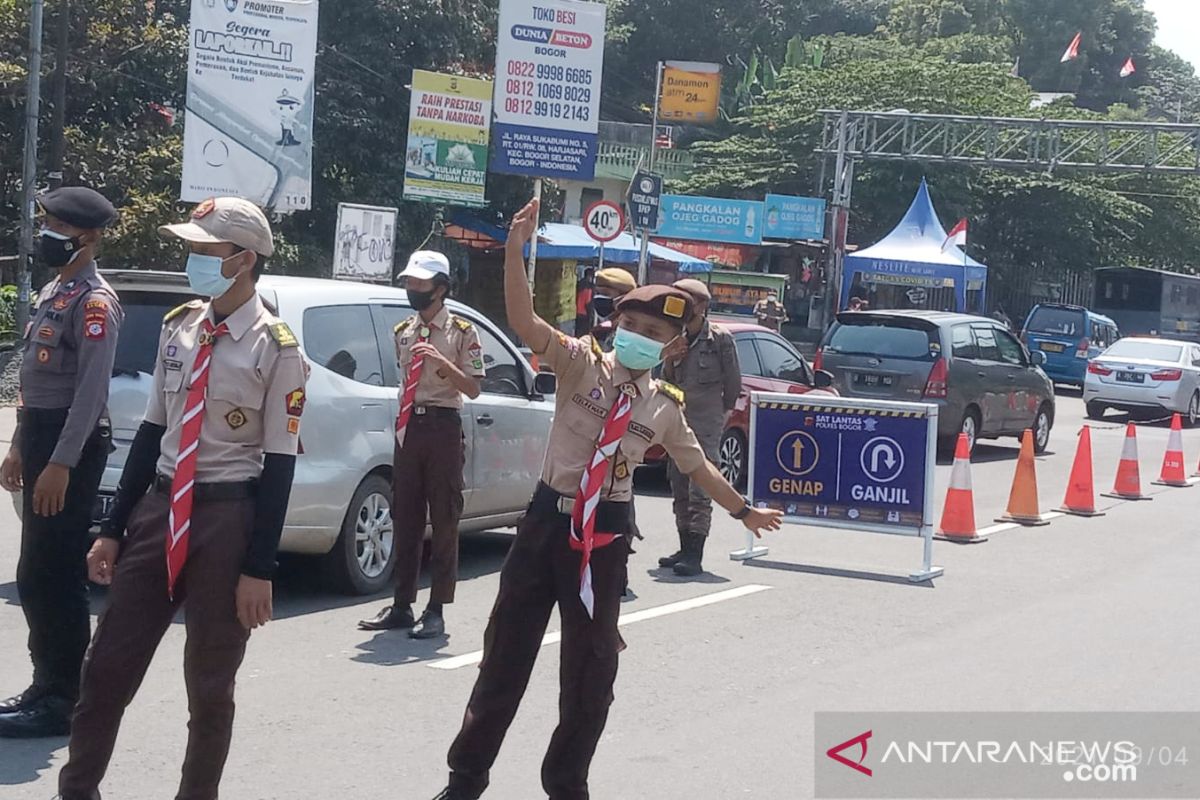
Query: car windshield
[
  {"x": 1057, "y": 320},
  {"x": 883, "y": 338},
  {"x": 1153, "y": 351},
  {"x": 137, "y": 346}
]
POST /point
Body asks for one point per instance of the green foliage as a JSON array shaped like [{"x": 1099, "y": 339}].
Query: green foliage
[{"x": 8, "y": 311}]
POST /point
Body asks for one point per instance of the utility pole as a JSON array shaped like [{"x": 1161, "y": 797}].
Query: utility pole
[
  {"x": 29, "y": 173},
  {"x": 58, "y": 121},
  {"x": 645, "y": 244},
  {"x": 843, "y": 182}
]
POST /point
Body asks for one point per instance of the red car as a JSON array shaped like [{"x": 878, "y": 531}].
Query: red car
[{"x": 769, "y": 364}]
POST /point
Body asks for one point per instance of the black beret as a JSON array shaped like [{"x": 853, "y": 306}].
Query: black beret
[
  {"x": 78, "y": 206},
  {"x": 665, "y": 302}
]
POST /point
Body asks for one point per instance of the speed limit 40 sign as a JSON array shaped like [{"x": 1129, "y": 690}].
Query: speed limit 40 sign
[{"x": 604, "y": 220}]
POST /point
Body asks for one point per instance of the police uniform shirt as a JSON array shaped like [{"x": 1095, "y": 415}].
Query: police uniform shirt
[
  {"x": 709, "y": 373},
  {"x": 588, "y": 383},
  {"x": 453, "y": 337},
  {"x": 255, "y": 391},
  {"x": 70, "y": 345}
]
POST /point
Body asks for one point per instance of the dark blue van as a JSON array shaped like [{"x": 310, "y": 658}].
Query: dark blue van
[{"x": 1069, "y": 336}]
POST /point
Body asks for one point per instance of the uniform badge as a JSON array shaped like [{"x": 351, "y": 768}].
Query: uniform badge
[
  {"x": 403, "y": 340},
  {"x": 294, "y": 425},
  {"x": 674, "y": 307},
  {"x": 595, "y": 394},
  {"x": 621, "y": 472},
  {"x": 43, "y": 356},
  {"x": 475, "y": 351},
  {"x": 236, "y": 418},
  {"x": 295, "y": 402},
  {"x": 96, "y": 305},
  {"x": 204, "y": 209},
  {"x": 629, "y": 389},
  {"x": 46, "y": 332},
  {"x": 61, "y": 303},
  {"x": 206, "y": 339},
  {"x": 94, "y": 329},
  {"x": 283, "y": 335},
  {"x": 424, "y": 331},
  {"x": 171, "y": 350}
]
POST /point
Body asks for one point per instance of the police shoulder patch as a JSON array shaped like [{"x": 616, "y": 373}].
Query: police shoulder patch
[
  {"x": 672, "y": 391},
  {"x": 283, "y": 335},
  {"x": 191, "y": 305},
  {"x": 462, "y": 324}
]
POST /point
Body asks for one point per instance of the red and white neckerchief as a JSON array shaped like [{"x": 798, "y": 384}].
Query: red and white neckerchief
[
  {"x": 183, "y": 484},
  {"x": 583, "y": 518},
  {"x": 410, "y": 386}
]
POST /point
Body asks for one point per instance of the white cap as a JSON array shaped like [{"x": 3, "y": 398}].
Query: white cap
[{"x": 426, "y": 264}]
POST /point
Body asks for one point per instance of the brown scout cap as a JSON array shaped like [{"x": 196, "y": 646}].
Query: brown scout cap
[
  {"x": 616, "y": 278},
  {"x": 664, "y": 302},
  {"x": 226, "y": 219},
  {"x": 696, "y": 288}
]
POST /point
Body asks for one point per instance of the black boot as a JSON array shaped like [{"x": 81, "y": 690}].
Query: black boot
[
  {"x": 397, "y": 616},
  {"x": 673, "y": 559},
  {"x": 431, "y": 625},
  {"x": 689, "y": 565}
]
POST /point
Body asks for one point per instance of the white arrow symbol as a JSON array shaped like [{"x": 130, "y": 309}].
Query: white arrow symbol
[{"x": 889, "y": 459}]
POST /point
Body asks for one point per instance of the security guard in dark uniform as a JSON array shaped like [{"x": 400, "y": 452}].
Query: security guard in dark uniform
[
  {"x": 58, "y": 454},
  {"x": 572, "y": 544}
]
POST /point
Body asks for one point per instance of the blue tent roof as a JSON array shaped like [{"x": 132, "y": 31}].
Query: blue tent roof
[
  {"x": 557, "y": 240},
  {"x": 918, "y": 239}
]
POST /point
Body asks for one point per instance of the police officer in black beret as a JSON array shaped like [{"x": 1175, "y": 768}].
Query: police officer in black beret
[{"x": 58, "y": 454}]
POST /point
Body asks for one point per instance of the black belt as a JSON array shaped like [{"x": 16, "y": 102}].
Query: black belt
[
  {"x": 233, "y": 490},
  {"x": 611, "y": 516},
  {"x": 434, "y": 411}
]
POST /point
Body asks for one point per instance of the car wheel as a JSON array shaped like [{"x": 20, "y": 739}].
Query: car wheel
[
  {"x": 362, "y": 560},
  {"x": 970, "y": 426},
  {"x": 1042, "y": 424},
  {"x": 1095, "y": 411},
  {"x": 732, "y": 456},
  {"x": 1193, "y": 411}
]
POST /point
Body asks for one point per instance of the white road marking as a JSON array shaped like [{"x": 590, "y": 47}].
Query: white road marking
[
  {"x": 1008, "y": 526},
  {"x": 471, "y": 659}
]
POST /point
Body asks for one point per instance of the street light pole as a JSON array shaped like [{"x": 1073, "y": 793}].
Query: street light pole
[
  {"x": 645, "y": 243},
  {"x": 29, "y": 173}
]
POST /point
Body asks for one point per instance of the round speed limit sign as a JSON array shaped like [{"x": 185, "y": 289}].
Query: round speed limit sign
[{"x": 604, "y": 220}]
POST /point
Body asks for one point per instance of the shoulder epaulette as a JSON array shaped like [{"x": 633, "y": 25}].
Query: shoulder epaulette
[
  {"x": 463, "y": 325},
  {"x": 191, "y": 305},
  {"x": 597, "y": 350},
  {"x": 401, "y": 325},
  {"x": 672, "y": 391},
  {"x": 283, "y": 335}
]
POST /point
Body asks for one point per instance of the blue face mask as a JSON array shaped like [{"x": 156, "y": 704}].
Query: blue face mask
[
  {"x": 635, "y": 351},
  {"x": 204, "y": 275}
]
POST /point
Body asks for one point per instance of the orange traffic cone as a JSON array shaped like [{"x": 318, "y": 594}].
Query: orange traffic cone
[
  {"x": 1173, "y": 471},
  {"x": 1081, "y": 492},
  {"x": 1129, "y": 479},
  {"x": 958, "y": 517},
  {"x": 1023, "y": 500}
]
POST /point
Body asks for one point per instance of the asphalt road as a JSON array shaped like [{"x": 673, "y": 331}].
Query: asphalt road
[{"x": 714, "y": 701}]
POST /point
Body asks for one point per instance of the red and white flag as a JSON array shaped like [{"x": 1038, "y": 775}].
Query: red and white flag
[
  {"x": 957, "y": 235},
  {"x": 1073, "y": 49},
  {"x": 1129, "y": 68}
]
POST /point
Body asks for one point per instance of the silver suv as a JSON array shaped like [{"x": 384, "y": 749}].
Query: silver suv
[{"x": 341, "y": 500}]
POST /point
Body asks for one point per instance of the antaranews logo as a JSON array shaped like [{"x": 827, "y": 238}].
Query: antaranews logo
[{"x": 835, "y": 753}]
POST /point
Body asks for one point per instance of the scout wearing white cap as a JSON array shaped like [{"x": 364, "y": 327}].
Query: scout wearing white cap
[
  {"x": 226, "y": 219},
  {"x": 426, "y": 265}
]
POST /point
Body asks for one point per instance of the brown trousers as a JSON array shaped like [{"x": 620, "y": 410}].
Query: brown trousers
[
  {"x": 428, "y": 485},
  {"x": 138, "y": 615},
  {"x": 691, "y": 504},
  {"x": 540, "y": 571}
]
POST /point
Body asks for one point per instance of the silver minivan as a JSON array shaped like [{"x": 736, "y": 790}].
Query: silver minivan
[{"x": 341, "y": 500}]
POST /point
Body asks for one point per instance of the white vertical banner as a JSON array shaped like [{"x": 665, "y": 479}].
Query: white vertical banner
[{"x": 248, "y": 127}]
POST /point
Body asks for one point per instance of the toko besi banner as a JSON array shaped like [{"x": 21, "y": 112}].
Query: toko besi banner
[
  {"x": 691, "y": 92},
  {"x": 710, "y": 219},
  {"x": 249, "y": 121},
  {"x": 448, "y": 121},
  {"x": 549, "y": 60},
  {"x": 365, "y": 243}
]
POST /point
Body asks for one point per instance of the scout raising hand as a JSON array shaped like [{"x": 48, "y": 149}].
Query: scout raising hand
[{"x": 572, "y": 545}]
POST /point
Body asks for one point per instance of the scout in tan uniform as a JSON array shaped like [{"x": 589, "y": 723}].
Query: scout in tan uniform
[
  {"x": 571, "y": 546},
  {"x": 203, "y": 497},
  {"x": 62, "y": 442},
  {"x": 769, "y": 312},
  {"x": 709, "y": 374},
  {"x": 441, "y": 360}
]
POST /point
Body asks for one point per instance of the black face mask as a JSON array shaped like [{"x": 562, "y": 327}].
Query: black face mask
[
  {"x": 604, "y": 306},
  {"x": 420, "y": 300},
  {"x": 57, "y": 253}
]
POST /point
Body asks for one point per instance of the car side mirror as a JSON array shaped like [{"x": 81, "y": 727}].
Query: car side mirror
[
  {"x": 822, "y": 379},
  {"x": 545, "y": 383},
  {"x": 1038, "y": 358}
]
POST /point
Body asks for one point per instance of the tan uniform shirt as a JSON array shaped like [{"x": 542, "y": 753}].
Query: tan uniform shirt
[
  {"x": 70, "y": 346},
  {"x": 453, "y": 337},
  {"x": 770, "y": 315},
  {"x": 588, "y": 383},
  {"x": 710, "y": 377},
  {"x": 255, "y": 391}
]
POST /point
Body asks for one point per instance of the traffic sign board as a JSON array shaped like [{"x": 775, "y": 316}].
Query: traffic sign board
[
  {"x": 645, "y": 193},
  {"x": 604, "y": 220}
]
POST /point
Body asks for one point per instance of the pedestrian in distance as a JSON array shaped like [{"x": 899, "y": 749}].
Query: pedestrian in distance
[
  {"x": 571, "y": 545},
  {"x": 706, "y": 368},
  {"x": 441, "y": 359},
  {"x": 769, "y": 312},
  {"x": 59, "y": 452},
  {"x": 200, "y": 505},
  {"x": 612, "y": 283}
]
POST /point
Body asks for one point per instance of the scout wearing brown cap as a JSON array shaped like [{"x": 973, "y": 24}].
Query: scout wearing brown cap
[
  {"x": 608, "y": 413},
  {"x": 617, "y": 279}
]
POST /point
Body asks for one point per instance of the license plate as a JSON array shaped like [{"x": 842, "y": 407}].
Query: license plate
[
  {"x": 1053, "y": 347},
  {"x": 1131, "y": 377},
  {"x": 874, "y": 380},
  {"x": 103, "y": 507}
]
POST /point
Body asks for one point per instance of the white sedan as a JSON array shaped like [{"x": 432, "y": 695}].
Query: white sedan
[{"x": 1141, "y": 375}]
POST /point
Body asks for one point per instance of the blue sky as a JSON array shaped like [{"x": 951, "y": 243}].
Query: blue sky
[{"x": 1179, "y": 27}]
